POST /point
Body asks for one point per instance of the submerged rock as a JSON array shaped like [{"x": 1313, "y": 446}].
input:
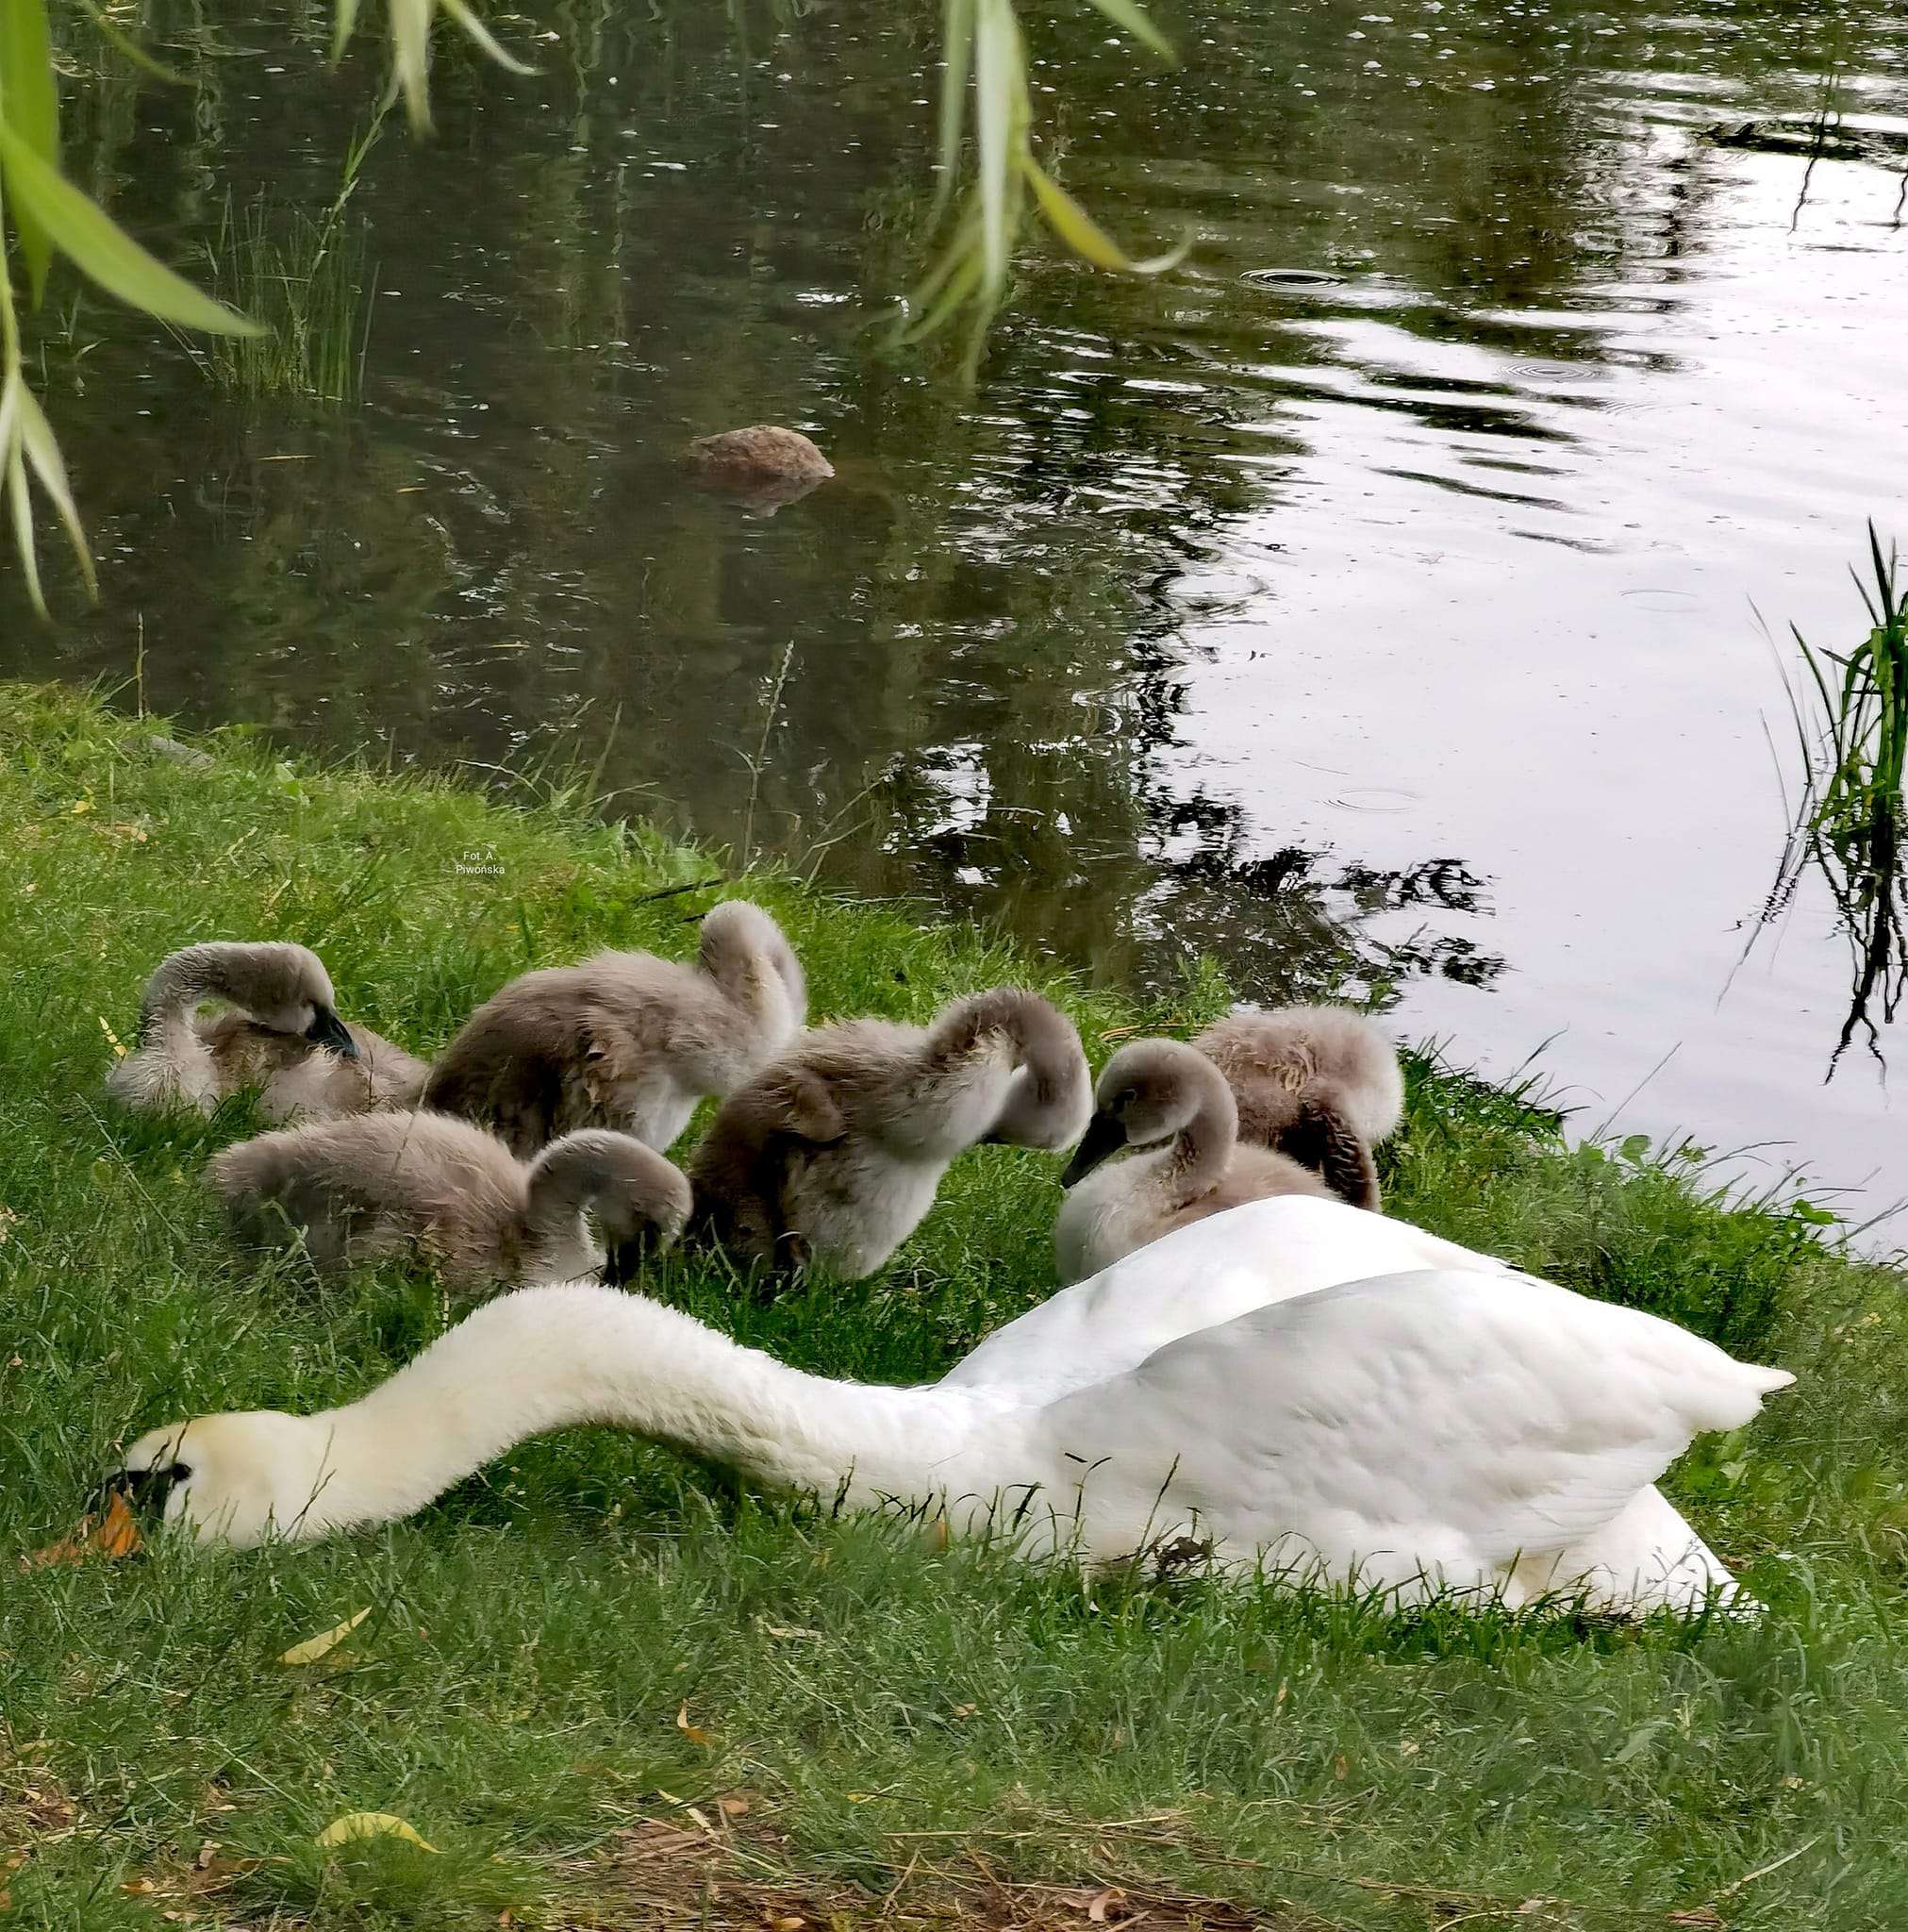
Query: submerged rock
[{"x": 762, "y": 467}]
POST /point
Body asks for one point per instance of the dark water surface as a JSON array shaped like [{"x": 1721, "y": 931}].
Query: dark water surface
[{"x": 1370, "y": 603}]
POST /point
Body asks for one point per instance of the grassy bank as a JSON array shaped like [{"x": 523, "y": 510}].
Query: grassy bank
[{"x": 611, "y": 1691}]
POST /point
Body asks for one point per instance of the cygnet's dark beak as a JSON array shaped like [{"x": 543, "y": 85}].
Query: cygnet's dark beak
[
  {"x": 1105, "y": 1138},
  {"x": 328, "y": 1029},
  {"x": 623, "y": 1264},
  {"x": 145, "y": 1490}
]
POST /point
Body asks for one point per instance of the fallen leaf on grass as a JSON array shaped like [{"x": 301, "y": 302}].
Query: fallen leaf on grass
[
  {"x": 216, "y": 1869},
  {"x": 732, "y": 1807},
  {"x": 695, "y": 1733},
  {"x": 356, "y": 1824},
  {"x": 315, "y": 1647},
  {"x": 116, "y": 1534},
  {"x": 1102, "y": 1902}
]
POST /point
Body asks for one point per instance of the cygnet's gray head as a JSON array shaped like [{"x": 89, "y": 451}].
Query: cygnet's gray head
[
  {"x": 739, "y": 941},
  {"x": 640, "y": 1200},
  {"x": 1148, "y": 1092},
  {"x": 280, "y": 986}
]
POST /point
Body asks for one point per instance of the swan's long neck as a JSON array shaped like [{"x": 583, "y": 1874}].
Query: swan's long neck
[
  {"x": 759, "y": 974},
  {"x": 548, "y": 1358},
  {"x": 1051, "y": 1094}
]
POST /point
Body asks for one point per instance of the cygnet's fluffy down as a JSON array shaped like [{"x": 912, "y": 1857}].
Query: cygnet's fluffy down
[
  {"x": 280, "y": 1034},
  {"x": 427, "y": 1184},
  {"x": 832, "y": 1156},
  {"x": 1169, "y": 1104},
  {"x": 1319, "y": 1083},
  {"x": 625, "y": 1041}
]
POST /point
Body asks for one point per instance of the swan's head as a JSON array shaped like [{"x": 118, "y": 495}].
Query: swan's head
[
  {"x": 1149, "y": 1093},
  {"x": 281, "y": 986},
  {"x": 239, "y": 1480}
]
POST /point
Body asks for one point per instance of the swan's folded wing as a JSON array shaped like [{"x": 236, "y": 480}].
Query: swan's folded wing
[
  {"x": 1196, "y": 1278},
  {"x": 1461, "y": 1417}
]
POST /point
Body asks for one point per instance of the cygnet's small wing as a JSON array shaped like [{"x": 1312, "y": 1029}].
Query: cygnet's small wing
[
  {"x": 1448, "y": 1420},
  {"x": 1194, "y": 1278}
]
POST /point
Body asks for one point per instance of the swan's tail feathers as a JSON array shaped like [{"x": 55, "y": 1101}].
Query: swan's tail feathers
[
  {"x": 1734, "y": 1398},
  {"x": 1323, "y": 1138},
  {"x": 1645, "y": 1558}
]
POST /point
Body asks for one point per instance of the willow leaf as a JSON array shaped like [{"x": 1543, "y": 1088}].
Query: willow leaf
[
  {"x": 963, "y": 280},
  {"x": 101, "y": 249},
  {"x": 1084, "y": 235},
  {"x": 957, "y": 56},
  {"x": 15, "y": 486},
  {"x": 411, "y": 59},
  {"x": 485, "y": 40},
  {"x": 29, "y": 109},
  {"x": 344, "y": 19},
  {"x": 49, "y": 466},
  {"x": 1125, "y": 13},
  {"x": 1001, "y": 112}
]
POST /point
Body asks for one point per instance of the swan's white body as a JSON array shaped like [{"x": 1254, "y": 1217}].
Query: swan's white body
[{"x": 1436, "y": 1422}]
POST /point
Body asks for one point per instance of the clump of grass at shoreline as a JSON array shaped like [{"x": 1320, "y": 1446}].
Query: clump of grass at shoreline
[
  {"x": 571, "y": 1650},
  {"x": 1850, "y": 713}
]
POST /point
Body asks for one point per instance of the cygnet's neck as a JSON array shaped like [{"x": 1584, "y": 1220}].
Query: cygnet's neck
[
  {"x": 176, "y": 987},
  {"x": 548, "y": 1358},
  {"x": 1195, "y": 1160}
]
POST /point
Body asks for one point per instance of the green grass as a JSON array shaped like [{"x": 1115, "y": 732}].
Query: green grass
[{"x": 911, "y": 1729}]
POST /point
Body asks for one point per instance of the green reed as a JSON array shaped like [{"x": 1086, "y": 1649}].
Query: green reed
[
  {"x": 1850, "y": 713},
  {"x": 309, "y": 279}
]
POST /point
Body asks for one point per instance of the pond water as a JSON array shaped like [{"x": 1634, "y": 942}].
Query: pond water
[{"x": 1371, "y": 602}]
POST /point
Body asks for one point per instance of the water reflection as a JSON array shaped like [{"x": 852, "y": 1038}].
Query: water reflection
[{"x": 1135, "y": 645}]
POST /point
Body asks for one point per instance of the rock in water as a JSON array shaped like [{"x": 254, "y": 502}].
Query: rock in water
[{"x": 763, "y": 466}]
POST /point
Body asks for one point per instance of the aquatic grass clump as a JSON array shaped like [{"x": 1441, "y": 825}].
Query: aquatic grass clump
[
  {"x": 306, "y": 280},
  {"x": 1852, "y": 721}
]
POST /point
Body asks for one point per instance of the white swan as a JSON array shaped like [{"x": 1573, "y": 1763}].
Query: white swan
[{"x": 1446, "y": 1424}]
